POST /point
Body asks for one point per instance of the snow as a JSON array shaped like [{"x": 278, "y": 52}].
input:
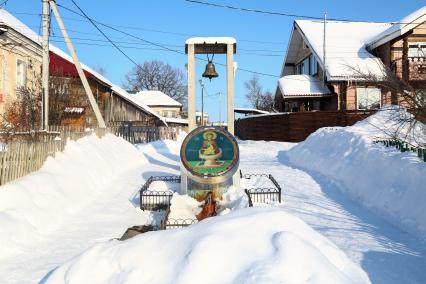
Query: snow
[
  {"x": 184, "y": 207},
  {"x": 176, "y": 120},
  {"x": 302, "y": 85},
  {"x": 383, "y": 179},
  {"x": 138, "y": 102},
  {"x": 157, "y": 98},
  {"x": 211, "y": 40},
  {"x": 249, "y": 110},
  {"x": 39, "y": 203},
  {"x": 74, "y": 110},
  {"x": 227, "y": 249},
  {"x": 405, "y": 24},
  {"x": 346, "y": 54},
  {"x": 273, "y": 244},
  {"x": 9, "y": 20}
]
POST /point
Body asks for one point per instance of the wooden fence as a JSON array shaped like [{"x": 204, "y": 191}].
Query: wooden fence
[
  {"x": 24, "y": 152},
  {"x": 295, "y": 126}
]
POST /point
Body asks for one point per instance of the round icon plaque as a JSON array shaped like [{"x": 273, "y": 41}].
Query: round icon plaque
[{"x": 210, "y": 155}]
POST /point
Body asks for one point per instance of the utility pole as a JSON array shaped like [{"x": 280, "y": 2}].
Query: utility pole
[
  {"x": 45, "y": 63},
  {"x": 93, "y": 103},
  {"x": 202, "y": 101},
  {"x": 220, "y": 108},
  {"x": 324, "y": 75}
]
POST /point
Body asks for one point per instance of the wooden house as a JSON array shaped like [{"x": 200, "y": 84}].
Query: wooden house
[{"x": 327, "y": 70}]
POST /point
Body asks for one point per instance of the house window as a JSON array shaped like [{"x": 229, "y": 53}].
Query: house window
[
  {"x": 417, "y": 49},
  {"x": 368, "y": 98},
  {"x": 21, "y": 73},
  {"x": 303, "y": 67},
  {"x": 308, "y": 66},
  {"x": 313, "y": 65}
]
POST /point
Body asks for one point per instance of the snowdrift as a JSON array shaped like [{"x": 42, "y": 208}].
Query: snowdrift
[
  {"x": 256, "y": 245},
  {"x": 36, "y": 204},
  {"x": 390, "y": 183}
]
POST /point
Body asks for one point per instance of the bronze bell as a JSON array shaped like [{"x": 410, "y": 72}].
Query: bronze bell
[{"x": 210, "y": 71}]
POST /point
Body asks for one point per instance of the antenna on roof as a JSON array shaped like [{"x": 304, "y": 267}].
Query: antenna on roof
[{"x": 324, "y": 76}]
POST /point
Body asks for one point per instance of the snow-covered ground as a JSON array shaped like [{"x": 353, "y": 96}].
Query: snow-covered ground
[
  {"x": 390, "y": 183},
  {"x": 33, "y": 245}
]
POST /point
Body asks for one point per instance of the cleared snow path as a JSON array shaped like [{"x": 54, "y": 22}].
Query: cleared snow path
[{"x": 387, "y": 254}]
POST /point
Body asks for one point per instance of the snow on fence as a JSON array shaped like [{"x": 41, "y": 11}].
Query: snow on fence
[
  {"x": 403, "y": 147},
  {"x": 25, "y": 151},
  {"x": 135, "y": 133}
]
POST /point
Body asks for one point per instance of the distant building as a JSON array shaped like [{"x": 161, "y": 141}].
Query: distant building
[
  {"x": 198, "y": 118},
  {"x": 161, "y": 103}
]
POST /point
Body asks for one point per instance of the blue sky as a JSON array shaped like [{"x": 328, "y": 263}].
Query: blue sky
[{"x": 261, "y": 39}]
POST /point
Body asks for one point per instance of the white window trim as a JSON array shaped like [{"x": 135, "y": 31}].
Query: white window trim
[
  {"x": 357, "y": 97},
  {"x": 25, "y": 73}
]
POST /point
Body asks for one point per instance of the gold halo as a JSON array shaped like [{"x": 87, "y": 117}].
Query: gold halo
[{"x": 209, "y": 132}]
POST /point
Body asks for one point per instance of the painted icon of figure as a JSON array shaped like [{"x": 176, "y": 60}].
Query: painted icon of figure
[
  {"x": 209, "y": 146},
  {"x": 209, "y": 152}
]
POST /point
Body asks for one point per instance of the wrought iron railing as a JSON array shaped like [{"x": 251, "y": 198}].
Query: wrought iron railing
[
  {"x": 403, "y": 147},
  {"x": 263, "y": 194},
  {"x": 154, "y": 200}
]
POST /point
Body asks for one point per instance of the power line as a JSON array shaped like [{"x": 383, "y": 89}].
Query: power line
[
  {"x": 253, "y": 10},
  {"x": 162, "y": 46},
  {"x": 287, "y": 14},
  {"x": 93, "y": 23},
  {"x": 4, "y": 3},
  {"x": 156, "y": 30}
]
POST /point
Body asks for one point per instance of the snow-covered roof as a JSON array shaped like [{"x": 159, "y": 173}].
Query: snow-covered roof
[
  {"x": 249, "y": 110},
  {"x": 346, "y": 55},
  {"x": 302, "y": 86},
  {"x": 404, "y": 25},
  {"x": 157, "y": 98},
  {"x": 211, "y": 40},
  {"x": 198, "y": 113},
  {"x": 176, "y": 120},
  {"x": 136, "y": 101},
  {"x": 9, "y": 20}
]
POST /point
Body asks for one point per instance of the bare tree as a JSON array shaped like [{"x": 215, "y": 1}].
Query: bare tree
[
  {"x": 253, "y": 91},
  {"x": 267, "y": 102},
  {"x": 406, "y": 95},
  {"x": 157, "y": 75},
  {"x": 256, "y": 97}
]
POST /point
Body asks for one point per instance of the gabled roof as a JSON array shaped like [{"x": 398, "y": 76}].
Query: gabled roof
[
  {"x": 346, "y": 55},
  {"x": 302, "y": 86},
  {"x": 157, "y": 98},
  {"x": 8, "y": 19},
  {"x": 403, "y": 26},
  {"x": 136, "y": 101}
]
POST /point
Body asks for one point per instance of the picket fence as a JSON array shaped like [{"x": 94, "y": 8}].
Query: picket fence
[{"x": 24, "y": 152}]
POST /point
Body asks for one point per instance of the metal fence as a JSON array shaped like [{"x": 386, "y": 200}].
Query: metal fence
[
  {"x": 403, "y": 147},
  {"x": 154, "y": 200},
  {"x": 177, "y": 223},
  {"x": 264, "y": 194},
  {"x": 135, "y": 133}
]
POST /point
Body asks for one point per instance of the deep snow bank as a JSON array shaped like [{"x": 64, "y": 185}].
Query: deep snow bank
[
  {"x": 385, "y": 180},
  {"x": 256, "y": 245},
  {"x": 40, "y": 202}
]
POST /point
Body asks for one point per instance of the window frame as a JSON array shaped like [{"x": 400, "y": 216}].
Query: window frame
[
  {"x": 366, "y": 89},
  {"x": 24, "y": 73}
]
